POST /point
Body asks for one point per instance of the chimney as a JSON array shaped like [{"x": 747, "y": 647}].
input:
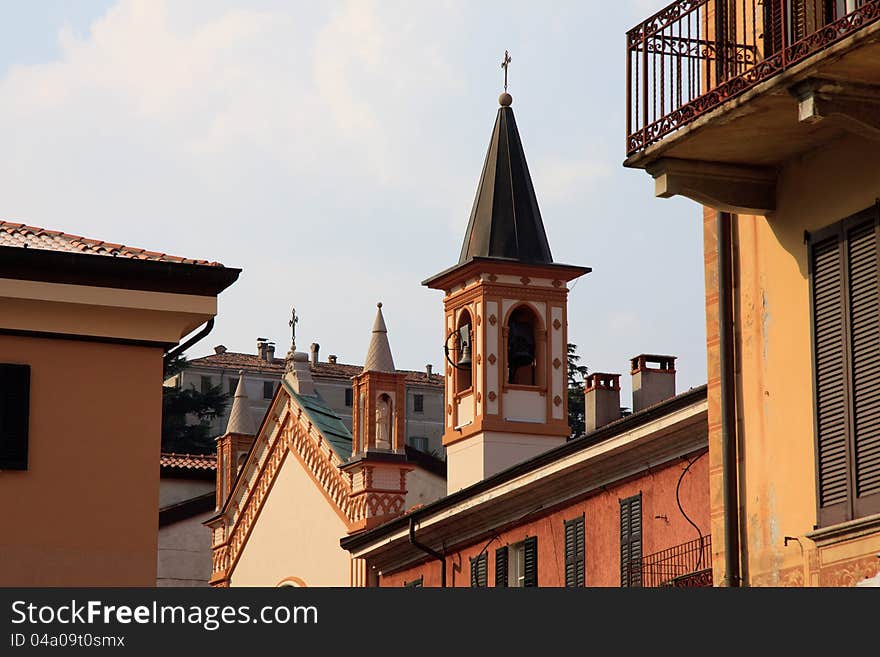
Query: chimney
[
  {"x": 220, "y": 349},
  {"x": 313, "y": 353},
  {"x": 261, "y": 348},
  {"x": 601, "y": 400},
  {"x": 429, "y": 369},
  {"x": 270, "y": 351},
  {"x": 652, "y": 385},
  {"x": 331, "y": 359}
]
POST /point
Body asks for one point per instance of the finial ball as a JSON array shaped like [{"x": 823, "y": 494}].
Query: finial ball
[
  {"x": 505, "y": 99},
  {"x": 379, "y": 305}
]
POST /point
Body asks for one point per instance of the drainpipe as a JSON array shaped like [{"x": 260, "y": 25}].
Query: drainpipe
[
  {"x": 424, "y": 548},
  {"x": 179, "y": 349},
  {"x": 724, "y": 229}
]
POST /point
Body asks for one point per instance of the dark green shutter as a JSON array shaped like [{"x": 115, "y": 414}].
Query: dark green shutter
[
  {"x": 574, "y": 552},
  {"x": 864, "y": 289},
  {"x": 15, "y": 381},
  {"x": 501, "y": 565},
  {"x": 631, "y": 541},
  {"x": 416, "y": 583},
  {"x": 845, "y": 290},
  {"x": 530, "y": 561},
  {"x": 829, "y": 329},
  {"x": 480, "y": 570}
]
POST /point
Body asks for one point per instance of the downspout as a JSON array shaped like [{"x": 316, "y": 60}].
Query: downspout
[
  {"x": 424, "y": 548},
  {"x": 179, "y": 349},
  {"x": 724, "y": 230}
]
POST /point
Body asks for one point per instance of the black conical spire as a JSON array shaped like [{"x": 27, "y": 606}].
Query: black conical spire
[{"x": 505, "y": 220}]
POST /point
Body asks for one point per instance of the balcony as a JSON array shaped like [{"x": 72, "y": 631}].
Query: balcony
[
  {"x": 726, "y": 91},
  {"x": 684, "y": 566}
]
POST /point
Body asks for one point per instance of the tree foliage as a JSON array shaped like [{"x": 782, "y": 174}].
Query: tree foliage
[
  {"x": 180, "y": 405},
  {"x": 576, "y": 375}
]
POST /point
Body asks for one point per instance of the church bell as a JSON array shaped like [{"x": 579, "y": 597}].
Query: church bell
[
  {"x": 464, "y": 342},
  {"x": 520, "y": 345}
]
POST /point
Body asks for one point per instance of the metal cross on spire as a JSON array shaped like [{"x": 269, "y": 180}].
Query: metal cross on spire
[
  {"x": 504, "y": 64},
  {"x": 292, "y": 324}
]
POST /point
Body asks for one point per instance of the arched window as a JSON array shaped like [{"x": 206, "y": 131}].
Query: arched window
[
  {"x": 462, "y": 354},
  {"x": 522, "y": 347}
]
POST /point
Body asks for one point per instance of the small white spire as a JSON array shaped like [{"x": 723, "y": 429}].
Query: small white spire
[
  {"x": 240, "y": 419},
  {"x": 379, "y": 358}
]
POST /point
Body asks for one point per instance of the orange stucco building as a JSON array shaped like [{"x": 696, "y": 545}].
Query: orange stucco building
[
  {"x": 770, "y": 123},
  {"x": 83, "y": 332}
]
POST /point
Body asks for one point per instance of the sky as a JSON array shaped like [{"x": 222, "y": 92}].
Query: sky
[{"x": 332, "y": 151}]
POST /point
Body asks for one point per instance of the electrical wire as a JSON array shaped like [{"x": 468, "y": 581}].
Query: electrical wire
[{"x": 681, "y": 509}]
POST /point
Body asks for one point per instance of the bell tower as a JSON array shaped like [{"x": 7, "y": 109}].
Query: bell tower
[
  {"x": 378, "y": 464},
  {"x": 505, "y": 323}
]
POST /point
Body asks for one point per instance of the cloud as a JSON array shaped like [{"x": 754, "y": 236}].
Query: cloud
[{"x": 566, "y": 180}]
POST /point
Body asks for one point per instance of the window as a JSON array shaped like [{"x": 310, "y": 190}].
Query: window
[
  {"x": 480, "y": 570},
  {"x": 416, "y": 583},
  {"x": 349, "y": 396},
  {"x": 233, "y": 385},
  {"x": 419, "y": 442},
  {"x": 522, "y": 564},
  {"x": 15, "y": 383},
  {"x": 522, "y": 353},
  {"x": 574, "y": 552},
  {"x": 419, "y": 403},
  {"x": 845, "y": 294},
  {"x": 631, "y": 541},
  {"x": 268, "y": 389},
  {"x": 206, "y": 385}
]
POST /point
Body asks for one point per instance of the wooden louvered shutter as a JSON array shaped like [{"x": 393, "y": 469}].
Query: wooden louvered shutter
[
  {"x": 864, "y": 294},
  {"x": 501, "y": 567},
  {"x": 574, "y": 552},
  {"x": 845, "y": 289},
  {"x": 480, "y": 570},
  {"x": 631, "y": 541},
  {"x": 14, "y": 415},
  {"x": 530, "y": 561},
  {"x": 829, "y": 335},
  {"x": 774, "y": 26}
]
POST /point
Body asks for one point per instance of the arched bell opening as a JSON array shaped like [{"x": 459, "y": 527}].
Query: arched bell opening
[
  {"x": 462, "y": 353},
  {"x": 524, "y": 350}
]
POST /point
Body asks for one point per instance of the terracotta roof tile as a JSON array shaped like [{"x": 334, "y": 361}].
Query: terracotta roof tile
[
  {"x": 252, "y": 362},
  {"x": 33, "y": 237},
  {"x": 188, "y": 461}
]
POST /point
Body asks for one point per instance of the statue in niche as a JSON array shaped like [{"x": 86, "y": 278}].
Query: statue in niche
[{"x": 383, "y": 422}]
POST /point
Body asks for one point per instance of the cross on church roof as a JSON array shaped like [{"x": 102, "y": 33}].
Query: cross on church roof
[{"x": 505, "y": 63}]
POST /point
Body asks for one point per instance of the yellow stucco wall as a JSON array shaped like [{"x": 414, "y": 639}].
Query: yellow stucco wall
[
  {"x": 296, "y": 535},
  {"x": 774, "y": 351}
]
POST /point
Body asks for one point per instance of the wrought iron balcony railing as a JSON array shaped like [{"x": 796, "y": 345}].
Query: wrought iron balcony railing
[
  {"x": 685, "y": 565},
  {"x": 695, "y": 55}
]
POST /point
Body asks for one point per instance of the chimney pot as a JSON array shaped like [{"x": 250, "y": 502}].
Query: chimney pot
[
  {"x": 261, "y": 348},
  {"x": 313, "y": 353},
  {"x": 601, "y": 400},
  {"x": 332, "y": 359},
  {"x": 653, "y": 380},
  {"x": 429, "y": 369},
  {"x": 220, "y": 349},
  {"x": 270, "y": 351}
]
